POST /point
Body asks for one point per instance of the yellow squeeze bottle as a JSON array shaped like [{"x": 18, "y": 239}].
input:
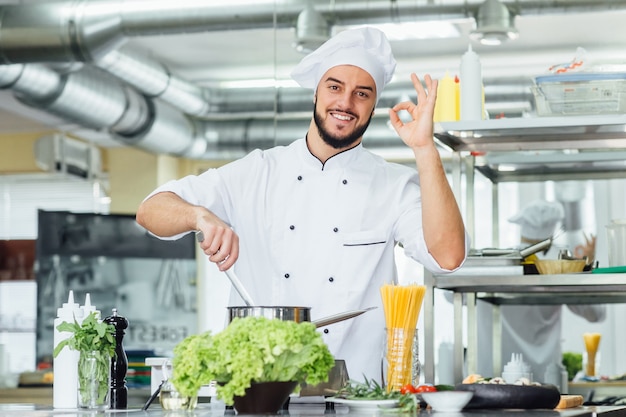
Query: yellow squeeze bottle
[
  {"x": 446, "y": 107},
  {"x": 592, "y": 341}
]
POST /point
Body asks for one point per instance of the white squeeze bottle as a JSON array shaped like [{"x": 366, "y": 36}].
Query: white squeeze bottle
[
  {"x": 65, "y": 365},
  {"x": 87, "y": 309},
  {"x": 471, "y": 86}
]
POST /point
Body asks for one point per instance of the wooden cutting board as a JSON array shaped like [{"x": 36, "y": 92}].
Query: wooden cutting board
[{"x": 569, "y": 401}]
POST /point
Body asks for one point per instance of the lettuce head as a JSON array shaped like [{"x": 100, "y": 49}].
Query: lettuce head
[{"x": 251, "y": 349}]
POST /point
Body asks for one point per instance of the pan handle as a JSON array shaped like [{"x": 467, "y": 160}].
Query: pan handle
[{"x": 325, "y": 321}]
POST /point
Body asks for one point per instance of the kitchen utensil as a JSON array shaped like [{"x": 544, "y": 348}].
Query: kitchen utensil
[
  {"x": 241, "y": 290},
  {"x": 153, "y": 397},
  {"x": 297, "y": 314}
]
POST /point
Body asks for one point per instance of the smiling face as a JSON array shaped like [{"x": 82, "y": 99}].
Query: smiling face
[{"x": 344, "y": 105}]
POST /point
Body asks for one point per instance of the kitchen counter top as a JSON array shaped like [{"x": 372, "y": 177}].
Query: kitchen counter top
[{"x": 297, "y": 410}]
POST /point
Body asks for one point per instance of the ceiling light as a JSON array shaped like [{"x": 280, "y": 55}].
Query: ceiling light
[
  {"x": 494, "y": 24},
  {"x": 312, "y": 30}
]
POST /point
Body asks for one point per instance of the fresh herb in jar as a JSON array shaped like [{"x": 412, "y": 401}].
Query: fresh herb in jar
[{"x": 96, "y": 337}]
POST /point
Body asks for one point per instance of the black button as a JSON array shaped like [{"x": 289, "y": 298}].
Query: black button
[
  {"x": 331, "y": 279},
  {"x": 292, "y": 227},
  {"x": 299, "y": 177},
  {"x": 286, "y": 275},
  {"x": 335, "y": 229},
  {"x": 326, "y": 331},
  {"x": 345, "y": 181}
]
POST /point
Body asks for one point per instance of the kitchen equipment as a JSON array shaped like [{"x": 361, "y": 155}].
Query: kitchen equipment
[
  {"x": 297, "y": 314},
  {"x": 514, "y": 254},
  {"x": 241, "y": 290}
]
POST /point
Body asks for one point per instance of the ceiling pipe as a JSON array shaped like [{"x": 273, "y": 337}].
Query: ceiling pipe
[
  {"x": 154, "y": 80},
  {"x": 93, "y": 31},
  {"x": 87, "y": 30}
]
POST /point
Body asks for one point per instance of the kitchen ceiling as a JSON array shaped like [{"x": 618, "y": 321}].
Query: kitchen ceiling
[{"x": 549, "y": 33}]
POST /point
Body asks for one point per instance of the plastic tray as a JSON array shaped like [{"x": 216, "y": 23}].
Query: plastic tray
[{"x": 580, "y": 93}]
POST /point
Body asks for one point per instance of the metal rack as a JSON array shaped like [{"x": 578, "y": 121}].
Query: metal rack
[
  {"x": 518, "y": 150},
  {"x": 582, "y": 288}
]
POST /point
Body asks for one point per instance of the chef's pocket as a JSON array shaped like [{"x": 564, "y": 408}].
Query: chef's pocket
[{"x": 364, "y": 238}]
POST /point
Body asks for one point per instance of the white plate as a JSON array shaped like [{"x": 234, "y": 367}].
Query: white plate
[{"x": 364, "y": 404}]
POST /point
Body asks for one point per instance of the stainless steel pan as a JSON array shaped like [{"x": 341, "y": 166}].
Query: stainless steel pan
[
  {"x": 292, "y": 313},
  {"x": 297, "y": 314}
]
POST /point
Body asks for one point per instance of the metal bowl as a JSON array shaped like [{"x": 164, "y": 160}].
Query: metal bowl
[{"x": 297, "y": 314}]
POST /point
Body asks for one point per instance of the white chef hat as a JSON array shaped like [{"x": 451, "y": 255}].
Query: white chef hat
[
  {"x": 366, "y": 48},
  {"x": 538, "y": 219}
]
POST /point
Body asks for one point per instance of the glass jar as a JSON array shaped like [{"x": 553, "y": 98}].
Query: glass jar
[
  {"x": 169, "y": 398},
  {"x": 94, "y": 370},
  {"x": 400, "y": 362}
]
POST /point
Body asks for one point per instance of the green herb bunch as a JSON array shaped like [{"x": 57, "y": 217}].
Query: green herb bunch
[
  {"x": 251, "y": 349},
  {"x": 372, "y": 390},
  {"x": 96, "y": 338}
]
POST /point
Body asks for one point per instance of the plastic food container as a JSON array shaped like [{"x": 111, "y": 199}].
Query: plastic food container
[{"x": 580, "y": 93}]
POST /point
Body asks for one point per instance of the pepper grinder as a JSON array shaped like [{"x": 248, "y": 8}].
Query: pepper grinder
[{"x": 119, "y": 364}]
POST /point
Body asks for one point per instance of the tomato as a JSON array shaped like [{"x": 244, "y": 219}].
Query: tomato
[
  {"x": 408, "y": 389},
  {"x": 425, "y": 388}
]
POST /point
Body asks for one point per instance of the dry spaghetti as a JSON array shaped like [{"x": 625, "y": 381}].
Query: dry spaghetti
[{"x": 402, "y": 305}]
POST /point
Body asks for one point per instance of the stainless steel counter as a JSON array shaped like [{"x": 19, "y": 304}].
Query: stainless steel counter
[
  {"x": 580, "y": 288},
  {"x": 301, "y": 410}
]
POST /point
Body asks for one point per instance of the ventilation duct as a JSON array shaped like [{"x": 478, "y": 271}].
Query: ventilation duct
[{"x": 143, "y": 104}]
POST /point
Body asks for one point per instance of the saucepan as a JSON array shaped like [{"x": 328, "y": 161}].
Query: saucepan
[{"x": 292, "y": 313}]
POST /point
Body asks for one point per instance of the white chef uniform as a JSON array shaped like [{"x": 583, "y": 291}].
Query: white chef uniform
[{"x": 318, "y": 235}]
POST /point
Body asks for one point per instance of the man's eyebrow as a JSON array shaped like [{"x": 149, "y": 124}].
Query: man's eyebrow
[{"x": 361, "y": 87}]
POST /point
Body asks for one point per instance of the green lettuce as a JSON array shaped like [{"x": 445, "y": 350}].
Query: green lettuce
[{"x": 251, "y": 349}]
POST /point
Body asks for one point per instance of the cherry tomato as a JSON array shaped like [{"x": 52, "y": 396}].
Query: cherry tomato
[
  {"x": 425, "y": 388},
  {"x": 408, "y": 389}
]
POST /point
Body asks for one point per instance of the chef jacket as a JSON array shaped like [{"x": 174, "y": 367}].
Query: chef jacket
[{"x": 318, "y": 234}]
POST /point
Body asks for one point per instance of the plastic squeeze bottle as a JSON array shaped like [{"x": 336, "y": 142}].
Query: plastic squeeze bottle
[
  {"x": 446, "y": 108},
  {"x": 471, "y": 86},
  {"x": 87, "y": 308},
  {"x": 65, "y": 364}
]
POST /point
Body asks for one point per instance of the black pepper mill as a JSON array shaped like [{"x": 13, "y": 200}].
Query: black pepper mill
[{"x": 119, "y": 364}]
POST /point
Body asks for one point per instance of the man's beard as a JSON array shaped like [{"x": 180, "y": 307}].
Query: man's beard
[{"x": 339, "y": 142}]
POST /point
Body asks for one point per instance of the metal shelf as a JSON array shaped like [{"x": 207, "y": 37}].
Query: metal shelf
[
  {"x": 534, "y": 133},
  {"x": 580, "y": 288}
]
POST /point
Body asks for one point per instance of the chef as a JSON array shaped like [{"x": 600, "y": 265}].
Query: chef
[
  {"x": 315, "y": 223},
  {"x": 535, "y": 331}
]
